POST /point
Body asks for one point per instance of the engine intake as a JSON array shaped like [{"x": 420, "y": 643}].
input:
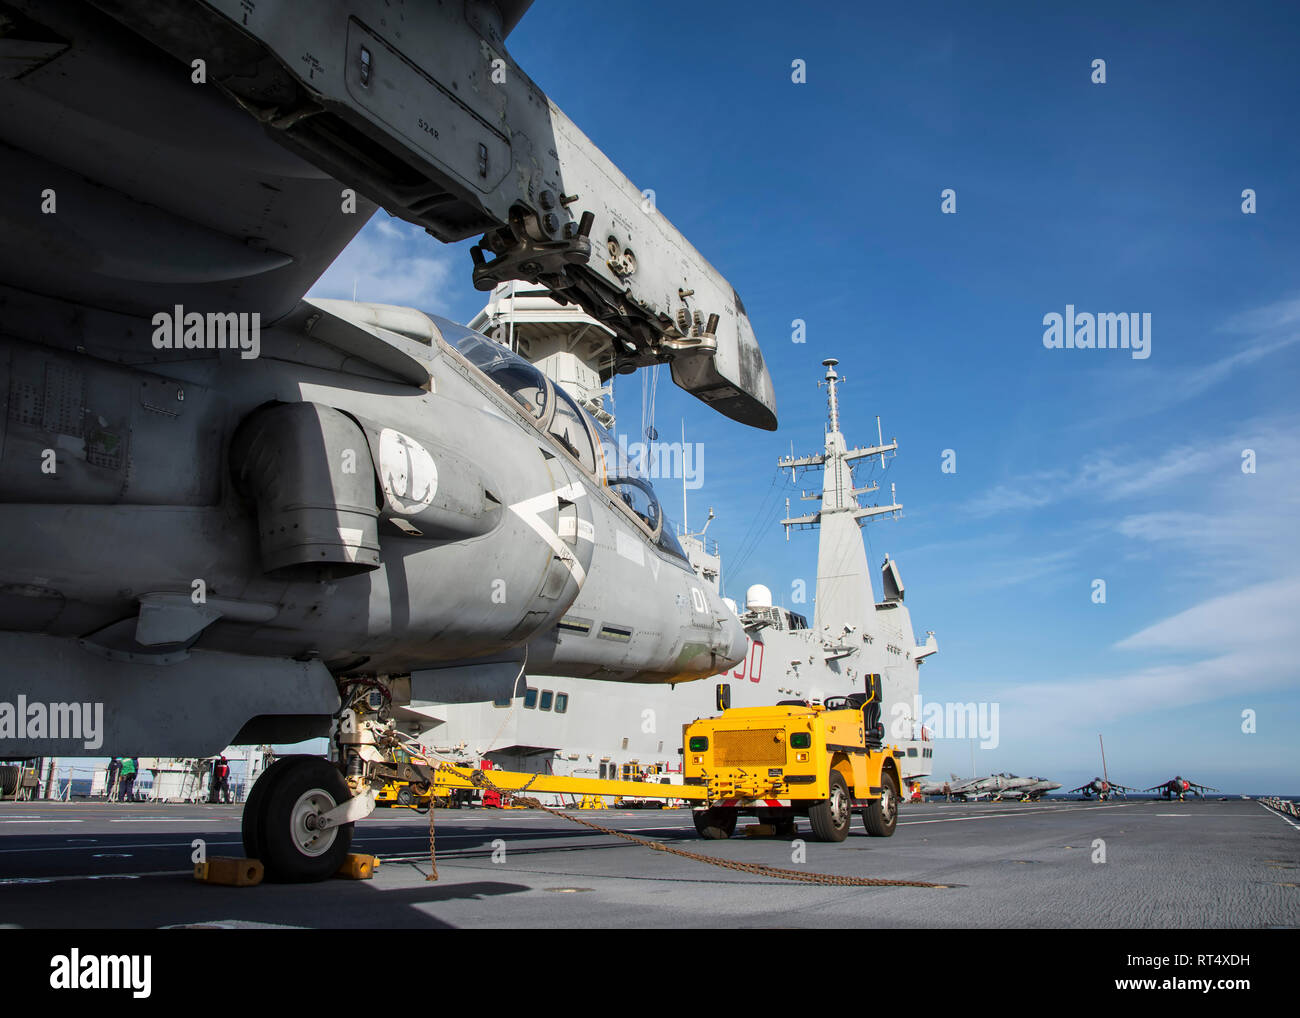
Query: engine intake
[{"x": 310, "y": 471}]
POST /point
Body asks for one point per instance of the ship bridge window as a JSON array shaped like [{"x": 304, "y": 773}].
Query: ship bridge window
[
  {"x": 509, "y": 372},
  {"x": 548, "y": 697},
  {"x": 530, "y": 698},
  {"x": 561, "y": 702},
  {"x": 570, "y": 429}
]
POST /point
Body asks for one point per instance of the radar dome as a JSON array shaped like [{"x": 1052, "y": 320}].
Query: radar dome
[{"x": 758, "y": 596}]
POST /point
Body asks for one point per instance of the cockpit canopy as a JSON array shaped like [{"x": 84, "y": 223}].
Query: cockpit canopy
[{"x": 556, "y": 412}]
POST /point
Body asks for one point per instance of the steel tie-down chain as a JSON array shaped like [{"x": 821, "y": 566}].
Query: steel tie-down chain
[
  {"x": 433, "y": 855},
  {"x": 480, "y": 780}
]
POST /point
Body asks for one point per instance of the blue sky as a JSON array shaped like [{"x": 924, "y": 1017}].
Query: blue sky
[{"x": 821, "y": 201}]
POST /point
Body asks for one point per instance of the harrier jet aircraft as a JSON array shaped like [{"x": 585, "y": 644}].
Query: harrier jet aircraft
[
  {"x": 968, "y": 788},
  {"x": 1178, "y": 787},
  {"x": 1036, "y": 789},
  {"x": 1102, "y": 789},
  {"x": 228, "y": 508}
]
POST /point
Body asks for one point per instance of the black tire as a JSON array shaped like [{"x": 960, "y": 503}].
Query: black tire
[
  {"x": 404, "y": 796},
  {"x": 881, "y": 815},
  {"x": 255, "y": 806},
  {"x": 716, "y": 824},
  {"x": 830, "y": 817},
  {"x": 291, "y": 853}
]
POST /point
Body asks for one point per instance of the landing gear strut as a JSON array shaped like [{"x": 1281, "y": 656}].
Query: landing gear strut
[{"x": 300, "y": 814}]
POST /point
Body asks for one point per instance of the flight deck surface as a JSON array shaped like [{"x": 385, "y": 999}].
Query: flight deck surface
[{"x": 1203, "y": 864}]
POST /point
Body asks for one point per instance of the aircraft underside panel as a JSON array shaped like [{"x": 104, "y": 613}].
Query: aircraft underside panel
[
  {"x": 58, "y": 697},
  {"x": 80, "y": 430}
]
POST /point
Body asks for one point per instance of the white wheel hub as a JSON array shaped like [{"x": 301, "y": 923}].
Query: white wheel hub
[{"x": 304, "y": 822}]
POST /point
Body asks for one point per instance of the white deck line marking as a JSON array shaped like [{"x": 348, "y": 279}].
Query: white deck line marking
[
  {"x": 83, "y": 848},
  {"x": 1282, "y": 815},
  {"x": 93, "y": 876},
  {"x": 1019, "y": 813}
]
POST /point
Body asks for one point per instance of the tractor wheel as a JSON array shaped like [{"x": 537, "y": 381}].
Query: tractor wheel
[
  {"x": 881, "y": 816},
  {"x": 830, "y": 816},
  {"x": 715, "y": 824}
]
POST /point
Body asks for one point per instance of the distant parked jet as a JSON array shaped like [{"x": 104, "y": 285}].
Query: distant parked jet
[
  {"x": 1037, "y": 788},
  {"x": 1103, "y": 790},
  {"x": 1179, "y": 787}
]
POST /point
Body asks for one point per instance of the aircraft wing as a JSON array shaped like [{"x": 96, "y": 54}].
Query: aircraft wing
[
  {"x": 511, "y": 11},
  {"x": 1082, "y": 788},
  {"x": 437, "y": 124},
  {"x": 1202, "y": 788}
]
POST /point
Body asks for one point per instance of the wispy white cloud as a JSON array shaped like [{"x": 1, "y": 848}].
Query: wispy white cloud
[
  {"x": 1021, "y": 570},
  {"x": 1244, "y": 644},
  {"x": 1224, "y": 534},
  {"x": 1212, "y": 464},
  {"x": 1228, "y": 524},
  {"x": 1264, "y": 615},
  {"x": 1106, "y": 477},
  {"x": 1269, "y": 329},
  {"x": 393, "y": 262},
  {"x": 1279, "y": 317}
]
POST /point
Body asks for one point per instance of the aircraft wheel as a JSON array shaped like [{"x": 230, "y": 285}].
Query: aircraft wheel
[
  {"x": 255, "y": 805},
  {"x": 294, "y": 850},
  {"x": 830, "y": 816},
  {"x": 881, "y": 815},
  {"x": 715, "y": 824}
]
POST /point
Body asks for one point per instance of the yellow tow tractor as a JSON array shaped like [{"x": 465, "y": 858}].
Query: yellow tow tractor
[
  {"x": 822, "y": 761},
  {"x": 399, "y": 793}
]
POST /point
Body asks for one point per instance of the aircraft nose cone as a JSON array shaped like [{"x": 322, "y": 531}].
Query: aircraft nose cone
[{"x": 735, "y": 643}]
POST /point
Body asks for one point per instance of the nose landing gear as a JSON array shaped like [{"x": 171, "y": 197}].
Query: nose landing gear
[{"x": 283, "y": 820}]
